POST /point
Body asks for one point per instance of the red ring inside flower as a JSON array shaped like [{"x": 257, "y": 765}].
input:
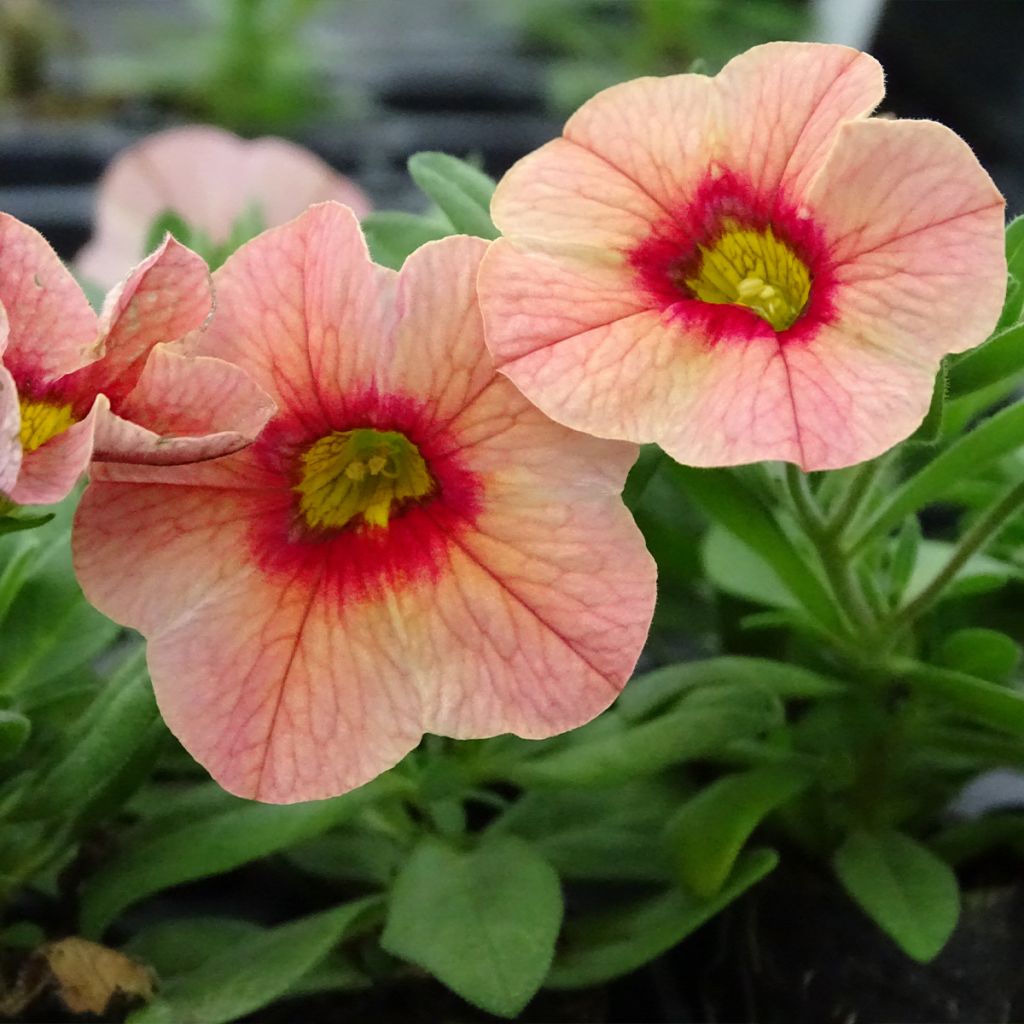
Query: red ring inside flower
[
  {"x": 673, "y": 251},
  {"x": 359, "y": 561}
]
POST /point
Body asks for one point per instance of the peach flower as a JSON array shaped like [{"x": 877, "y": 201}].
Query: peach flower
[
  {"x": 410, "y": 546},
  {"x": 76, "y": 386},
  {"x": 210, "y": 178},
  {"x": 744, "y": 267}
]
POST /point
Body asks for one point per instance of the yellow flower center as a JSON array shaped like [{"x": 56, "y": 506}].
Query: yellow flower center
[
  {"x": 364, "y": 472},
  {"x": 753, "y": 268},
  {"x": 42, "y": 420}
]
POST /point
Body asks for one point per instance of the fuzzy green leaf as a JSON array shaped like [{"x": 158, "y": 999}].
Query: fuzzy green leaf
[
  {"x": 462, "y": 191},
  {"x": 708, "y": 832},
  {"x": 909, "y": 893},
  {"x": 483, "y": 922},
  {"x": 254, "y": 971},
  {"x": 607, "y": 944}
]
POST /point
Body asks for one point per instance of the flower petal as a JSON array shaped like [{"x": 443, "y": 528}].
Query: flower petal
[
  {"x": 781, "y": 106},
  {"x": 184, "y": 409},
  {"x": 166, "y": 296},
  {"x": 210, "y": 178},
  {"x": 566, "y": 192},
  {"x": 10, "y": 429},
  {"x": 655, "y": 131},
  {"x": 52, "y": 327},
  {"x": 281, "y": 692},
  {"x": 50, "y": 473},
  {"x": 916, "y": 226},
  {"x": 301, "y": 309}
]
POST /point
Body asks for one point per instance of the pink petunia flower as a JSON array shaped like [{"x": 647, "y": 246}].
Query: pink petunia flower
[
  {"x": 744, "y": 267},
  {"x": 76, "y": 386},
  {"x": 211, "y": 179},
  {"x": 410, "y": 546}
]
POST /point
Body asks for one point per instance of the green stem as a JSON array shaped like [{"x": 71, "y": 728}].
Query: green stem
[
  {"x": 984, "y": 529},
  {"x": 850, "y": 502},
  {"x": 837, "y": 570}
]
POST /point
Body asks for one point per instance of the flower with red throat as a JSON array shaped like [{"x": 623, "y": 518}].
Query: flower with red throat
[
  {"x": 409, "y": 547},
  {"x": 744, "y": 267},
  {"x": 214, "y": 181},
  {"x": 75, "y": 386}
]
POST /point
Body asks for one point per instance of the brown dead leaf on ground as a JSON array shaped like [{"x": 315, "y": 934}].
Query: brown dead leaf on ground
[{"x": 84, "y": 975}]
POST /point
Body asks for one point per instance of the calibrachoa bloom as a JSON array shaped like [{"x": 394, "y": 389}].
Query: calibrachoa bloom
[
  {"x": 744, "y": 267},
  {"x": 211, "y": 179},
  {"x": 410, "y": 546},
  {"x": 76, "y": 386}
]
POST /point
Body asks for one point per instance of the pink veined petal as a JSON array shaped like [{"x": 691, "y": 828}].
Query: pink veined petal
[
  {"x": 566, "y": 192},
  {"x": 542, "y": 616},
  {"x": 184, "y": 409},
  {"x": 210, "y": 177},
  {"x": 853, "y": 400},
  {"x": 283, "y": 694},
  {"x": 534, "y": 295},
  {"x": 436, "y": 351},
  {"x": 285, "y": 178},
  {"x": 781, "y": 105},
  {"x": 657, "y": 132},
  {"x": 166, "y": 296},
  {"x": 50, "y": 473},
  {"x": 10, "y": 429},
  {"x": 51, "y": 326},
  {"x": 302, "y": 698},
  {"x": 304, "y": 311},
  {"x": 916, "y": 226}
]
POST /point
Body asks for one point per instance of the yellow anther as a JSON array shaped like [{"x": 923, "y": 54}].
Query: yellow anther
[
  {"x": 360, "y": 473},
  {"x": 42, "y": 420},
  {"x": 752, "y": 268}
]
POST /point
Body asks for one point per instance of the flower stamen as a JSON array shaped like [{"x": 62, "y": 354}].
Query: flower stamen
[
  {"x": 364, "y": 472},
  {"x": 752, "y": 268},
  {"x": 42, "y": 420}
]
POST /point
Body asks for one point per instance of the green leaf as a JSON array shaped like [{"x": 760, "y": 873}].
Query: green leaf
[
  {"x": 16, "y": 570},
  {"x": 737, "y": 570},
  {"x": 610, "y": 943},
  {"x": 181, "y": 945},
  {"x": 737, "y": 508},
  {"x": 593, "y": 834},
  {"x": 646, "y": 465},
  {"x": 1012, "y": 303},
  {"x": 702, "y": 725},
  {"x": 214, "y": 844},
  {"x": 167, "y": 223},
  {"x": 459, "y": 189},
  {"x": 996, "y": 706},
  {"x": 1002, "y": 356},
  {"x": 105, "y": 741},
  {"x": 1015, "y": 247},
  {"x": 904, "y": 558},
  {"x": 708, "y": 832},
  {"x": 931, "y": 426},
  {"x": 978, "y": 575},
  {"x": 985, "y": 653},
  {"x": 648, "y": 694},
  {"x": 909, "y": 893},
  {"x": 483, "y": 922},
  {"x": 50, "y": 629},
  {"x": 14, "y": 524},
  {"x": 392, "y": 236},
  {"x": 254, "y": 971},
  {"x": 968, "y": 455},
  {"x": 14, "y": 733}
]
